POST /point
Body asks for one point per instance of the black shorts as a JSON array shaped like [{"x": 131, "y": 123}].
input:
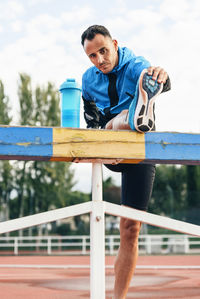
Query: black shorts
[{"x": 137, "y": 183}]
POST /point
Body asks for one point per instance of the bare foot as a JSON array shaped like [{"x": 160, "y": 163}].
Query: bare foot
[{"x": 119, "y": 122}]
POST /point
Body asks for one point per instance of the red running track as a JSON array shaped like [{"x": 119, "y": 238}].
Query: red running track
[{"x": 57, "y": 283}]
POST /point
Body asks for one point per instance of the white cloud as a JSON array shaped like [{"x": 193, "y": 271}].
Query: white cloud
[
  {"x": 11, "y": 9},
  {"x": 16, "y": 6},
  {"x": 48, "y": 50},
  {"x": 175, "y": 10},
  {"x": 144, "y": 18},
  {"x": 36, "y": 2},
  {"x": 16, "y": 26},
  {"x": 43, "y": 23},
  {"x": 77, "y": 15}
]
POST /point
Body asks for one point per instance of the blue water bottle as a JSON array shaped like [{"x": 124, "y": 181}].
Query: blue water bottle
[{"x": 70, "y": 103}]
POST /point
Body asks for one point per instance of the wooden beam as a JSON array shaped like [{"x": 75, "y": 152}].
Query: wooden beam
[{"x": 87, "y": 145}]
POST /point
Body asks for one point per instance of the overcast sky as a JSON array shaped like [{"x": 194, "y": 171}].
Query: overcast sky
[{"x": 42, "y": 38}]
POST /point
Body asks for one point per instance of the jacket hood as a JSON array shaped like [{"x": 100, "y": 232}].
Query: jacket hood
[{"x": 125, "y": 55}]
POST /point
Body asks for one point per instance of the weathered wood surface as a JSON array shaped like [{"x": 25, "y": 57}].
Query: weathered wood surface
[{"x": 86, "y": 145}]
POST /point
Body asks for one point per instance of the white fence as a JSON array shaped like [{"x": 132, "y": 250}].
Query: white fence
[
  {"x": 97, "y": 209},
  {"x": 80, "y": 245}
]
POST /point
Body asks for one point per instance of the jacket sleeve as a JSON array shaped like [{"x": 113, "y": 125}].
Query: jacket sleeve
[{"x": 91, "y": 114}]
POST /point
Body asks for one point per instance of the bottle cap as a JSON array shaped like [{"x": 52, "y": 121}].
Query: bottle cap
[{"x": 70, "y": 83}]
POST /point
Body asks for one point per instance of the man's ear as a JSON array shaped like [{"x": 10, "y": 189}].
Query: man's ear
[{"x": 115, "y": 43}]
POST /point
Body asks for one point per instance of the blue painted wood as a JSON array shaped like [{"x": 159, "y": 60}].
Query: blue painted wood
[
  {"x": 25, "y": 143},
  {"x": 172, "y": 147}
]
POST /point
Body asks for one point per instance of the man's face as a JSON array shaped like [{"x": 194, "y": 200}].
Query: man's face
[{"x": 102, "y": 51}]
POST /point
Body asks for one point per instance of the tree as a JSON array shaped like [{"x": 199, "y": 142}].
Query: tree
[
  {"x": 47, "y": 111},
  {"x": 5, "y": 119},
  {"x": 25, "y": 100},
  {"x": 169, "y": 191},
  {"x": 6, "y": 180},
  {"x": 26, "y": 112},
  {"x": 55, "y": 178},
  {"x": 111, "y": 192},
  {"x": 193, "y": 193},
  {"x": 40, "y": 186}
]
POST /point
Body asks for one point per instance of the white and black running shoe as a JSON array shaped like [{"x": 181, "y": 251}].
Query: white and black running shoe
[{"x": 141, "y": 110}]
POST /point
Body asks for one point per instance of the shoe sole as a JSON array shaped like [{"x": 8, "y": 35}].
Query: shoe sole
[{"x": 148, "y": 89}]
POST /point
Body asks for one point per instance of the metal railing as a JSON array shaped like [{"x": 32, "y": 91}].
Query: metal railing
[
  {"x": 80, "y": 245},
  {"x": 97, "y": 209}
]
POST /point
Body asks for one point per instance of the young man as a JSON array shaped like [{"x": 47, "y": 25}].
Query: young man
[{"x": 119, "y": 93}]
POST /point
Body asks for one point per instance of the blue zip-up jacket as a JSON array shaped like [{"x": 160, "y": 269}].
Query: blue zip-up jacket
[{"x": 98, "y": 108}]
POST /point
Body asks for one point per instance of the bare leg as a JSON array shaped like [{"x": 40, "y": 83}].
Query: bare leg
[
  {"x": 127, "y": 256},
  {"x": 129, "y": 231}
]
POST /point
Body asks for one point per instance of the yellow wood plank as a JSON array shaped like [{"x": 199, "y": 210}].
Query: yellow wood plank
[
  {"x": 69, "y": 144},
  {"x": 96, "y": 160}
]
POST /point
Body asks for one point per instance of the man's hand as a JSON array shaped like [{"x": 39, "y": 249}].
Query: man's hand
[{"x": 158, "y": 73}]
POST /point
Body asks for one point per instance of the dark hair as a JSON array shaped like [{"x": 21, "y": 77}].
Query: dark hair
[{"x": 92, "y": 31}]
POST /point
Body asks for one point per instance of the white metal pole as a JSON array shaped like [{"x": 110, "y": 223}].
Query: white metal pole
[
  {"x": 49, "y": 245},
  {"x": 97, "y": 236},
  {"x": 16, "y": 246}
]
